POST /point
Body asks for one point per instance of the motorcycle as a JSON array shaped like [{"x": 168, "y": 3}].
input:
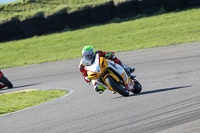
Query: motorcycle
[
  {"x": 4, "y": 82},
  {"x": 112, "y": 76}
]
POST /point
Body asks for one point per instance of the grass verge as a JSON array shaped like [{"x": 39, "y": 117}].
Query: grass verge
[
  {"x": 17, "y": 101},
  {"x": 117, "y": 35}
]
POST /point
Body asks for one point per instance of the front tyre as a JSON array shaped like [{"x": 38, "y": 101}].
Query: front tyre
[
  {"x": 6, "y": 82},
  {"x": 116, "y": 86},
  {"x": 137, "y": 87}
]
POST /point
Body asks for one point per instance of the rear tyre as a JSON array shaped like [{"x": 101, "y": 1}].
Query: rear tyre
[
  {"x": 116, "y": 86},
  {"x": 6, "y": 82},
  {"x": 137, "y": 87}
]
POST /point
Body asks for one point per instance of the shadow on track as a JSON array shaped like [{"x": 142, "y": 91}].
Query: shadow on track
[
  {"x": 160, "y": 90},
  {"x": 19, "y": 86},
  {"x": 155, "y": 91},
  {"x": 25, "y": 85}
]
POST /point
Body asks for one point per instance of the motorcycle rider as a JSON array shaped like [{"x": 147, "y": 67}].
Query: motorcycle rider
[{"x": 88, "y": 56}]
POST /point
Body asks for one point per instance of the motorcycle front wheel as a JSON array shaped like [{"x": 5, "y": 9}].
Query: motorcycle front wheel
[
  {"x": 115, "y": 85},
  {"x": 6, "y": 82},
  {"x": 137, "y": 87}
]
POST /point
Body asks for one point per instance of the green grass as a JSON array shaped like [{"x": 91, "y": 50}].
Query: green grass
[
  {"x": 146, "y": 32},
  {"x": 23, "y": 10},
  {"x": 17, "y": 101}
]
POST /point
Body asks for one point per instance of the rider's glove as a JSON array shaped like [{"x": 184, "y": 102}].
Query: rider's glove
[
  {"x": 108, "y": 55},
  {"x": 87, "y": 79}
]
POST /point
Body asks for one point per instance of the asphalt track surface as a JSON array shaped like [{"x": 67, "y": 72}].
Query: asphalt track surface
[{"x": 168, "y": 103}]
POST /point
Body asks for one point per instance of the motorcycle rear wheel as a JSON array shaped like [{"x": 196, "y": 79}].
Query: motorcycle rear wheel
[
  {"x": 116, "y": 86},
  {"x": 6, "y": 82}
]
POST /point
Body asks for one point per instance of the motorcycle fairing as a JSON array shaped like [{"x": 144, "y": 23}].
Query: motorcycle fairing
[
  {"x": 104, "y": 67},
  {"x": 1, "y": 84},
  {"x": 94, "y": 70}
]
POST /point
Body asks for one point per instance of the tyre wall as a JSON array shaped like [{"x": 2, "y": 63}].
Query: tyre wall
[
  {"x": 148, "y": 6},
  {"x": 10, "y": 30},
  {"x": 171, "y": 5},
  {"x": 32, "y": 27},
  {"x": 192, "y": 3},
  {"x": 125, "y": 9},
  {"x": 55, "y": 22},
  {"x": 98, "y": 14},
  {"x": 101, "y": 13},
  {"x": 78, "y": 18}
]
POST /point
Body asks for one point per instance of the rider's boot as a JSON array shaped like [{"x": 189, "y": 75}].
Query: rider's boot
[
  {"x": 128, "y": 70},
  {"x": 99, "y": 89}
]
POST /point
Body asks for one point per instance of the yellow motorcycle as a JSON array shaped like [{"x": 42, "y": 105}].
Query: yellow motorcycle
[{"x": 112, "y": 76}]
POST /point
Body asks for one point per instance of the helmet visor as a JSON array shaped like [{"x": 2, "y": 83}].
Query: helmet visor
[{"x": 89, "y": 57}]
